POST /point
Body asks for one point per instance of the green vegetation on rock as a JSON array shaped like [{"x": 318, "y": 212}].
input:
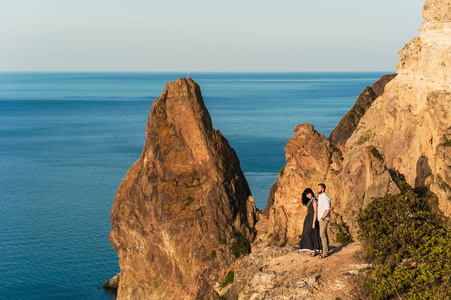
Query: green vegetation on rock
[
  {"x": 281, "y": 171},
  {"x": 336, "y": 149},
  {"x": 403, "y": 186},
  {"x": 446, "y": 143},
  {"x": 242, "y": 247},
  {"x": 376, "y": 153},
  {"x": 409, "y": 249},
  {"x": 229, "y": 279},
  {"x": 343, "y": 236}
]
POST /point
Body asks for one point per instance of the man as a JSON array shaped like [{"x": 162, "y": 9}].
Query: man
[{"x": 323, "y": 217}]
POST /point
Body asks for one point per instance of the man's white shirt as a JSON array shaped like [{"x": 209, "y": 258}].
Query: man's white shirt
[{"x": 323, "y": 205}]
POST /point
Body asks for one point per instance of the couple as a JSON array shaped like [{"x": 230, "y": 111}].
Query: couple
[{"x": 314, "y": 235}]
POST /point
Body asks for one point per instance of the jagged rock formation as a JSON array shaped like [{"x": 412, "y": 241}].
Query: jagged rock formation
[
  {"x": 350, "y": 120},
  {"x": 181, "y": 204},
  {"x": 307, "y": 152},
  {"x": 405, "y": 133}
]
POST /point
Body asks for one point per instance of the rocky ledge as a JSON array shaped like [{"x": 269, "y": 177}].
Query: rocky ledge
[{"x": 285, "y": 273}]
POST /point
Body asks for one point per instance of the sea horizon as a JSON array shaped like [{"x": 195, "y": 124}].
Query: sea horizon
[{"x": 191, "y": 72}]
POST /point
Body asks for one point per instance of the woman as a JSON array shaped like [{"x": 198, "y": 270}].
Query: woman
[{"x": 310, "y": 240}]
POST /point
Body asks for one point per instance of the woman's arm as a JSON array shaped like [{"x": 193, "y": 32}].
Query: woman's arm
[{"x": 315, "y": 212}]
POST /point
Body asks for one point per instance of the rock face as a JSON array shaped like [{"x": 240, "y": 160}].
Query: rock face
[
  {"x": 307, "y": 152},
  {"x": 181, "y": 205},
  {"x": 404, "y": 133},
  {"x": 350, "y": 120},
  {"x": 410, "y": 123}
]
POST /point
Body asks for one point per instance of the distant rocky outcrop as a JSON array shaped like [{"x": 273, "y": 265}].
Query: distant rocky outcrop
[
  {"x": 181, "y": 205},
  {"x": 113, "y": 283},
  {"x": 400, "y": 130}
]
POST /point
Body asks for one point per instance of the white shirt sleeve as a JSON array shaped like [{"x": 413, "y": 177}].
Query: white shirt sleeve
[{"x": 327, "y": 203}]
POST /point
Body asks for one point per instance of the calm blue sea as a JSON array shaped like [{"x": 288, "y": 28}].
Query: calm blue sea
[{"x": 68, "y": 139}]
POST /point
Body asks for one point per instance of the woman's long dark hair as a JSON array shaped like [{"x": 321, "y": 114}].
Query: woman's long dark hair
[{"x": 305, "y": 200}]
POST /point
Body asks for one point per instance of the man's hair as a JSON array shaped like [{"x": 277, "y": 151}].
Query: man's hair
[{"x": 323, "y": 186}]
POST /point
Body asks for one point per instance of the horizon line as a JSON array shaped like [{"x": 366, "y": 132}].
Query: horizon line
[{"x": 204, "y": 72}]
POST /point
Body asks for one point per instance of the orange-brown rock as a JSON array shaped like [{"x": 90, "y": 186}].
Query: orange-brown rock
[
  {"x": 309, "y": 161},
  {"x": 410, "y": 123},
  {"x": 405, "y": 133},
  {"x": 181, "y": 204}
]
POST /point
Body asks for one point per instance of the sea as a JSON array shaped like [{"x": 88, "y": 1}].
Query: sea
[{"x": 68, "y": 139}]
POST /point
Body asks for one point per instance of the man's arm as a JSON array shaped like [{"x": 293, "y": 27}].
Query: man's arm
[{"x": 326, "y": 212}]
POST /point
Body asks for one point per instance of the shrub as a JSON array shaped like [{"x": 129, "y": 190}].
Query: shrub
[
  {"x": 376, "y": 153},
  {"x": 403, "y": 186},
  {"x": 410, "y": 250},
  {"x": 336, "y": 149},
  {"x": 281, "y": 171},
  {"x": 210, "y": 256},
  {"x": 242, "y": 247},
  {"x": 229, "y": 279},
  {"x": 270, "y": 235},
  {"x": 343, "y": 236}
]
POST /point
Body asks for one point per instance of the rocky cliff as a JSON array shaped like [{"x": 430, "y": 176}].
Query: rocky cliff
[
  {"x": 402, "y": 134},
  {"x": 351, "y": 119},
  {"x": 181, "y": 205},
  {"x": 307, "y": 152}
]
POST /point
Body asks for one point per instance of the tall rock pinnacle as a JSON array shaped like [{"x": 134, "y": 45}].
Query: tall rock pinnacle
[{"x": 181, "y": 205}]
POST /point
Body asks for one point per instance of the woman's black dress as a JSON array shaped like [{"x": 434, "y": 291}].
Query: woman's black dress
[{"x": 310, "y": 240}]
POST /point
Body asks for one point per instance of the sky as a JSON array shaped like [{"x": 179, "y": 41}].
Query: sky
[{"x": 205, "y": 36}]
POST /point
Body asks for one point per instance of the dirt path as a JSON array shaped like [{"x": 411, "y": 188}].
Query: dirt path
[
  {"x": 334, "y": 274},
  {"x": 285, "y": 273}
]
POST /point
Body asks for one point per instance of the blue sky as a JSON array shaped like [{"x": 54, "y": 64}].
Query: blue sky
[{"x": 193, "y": 36}]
